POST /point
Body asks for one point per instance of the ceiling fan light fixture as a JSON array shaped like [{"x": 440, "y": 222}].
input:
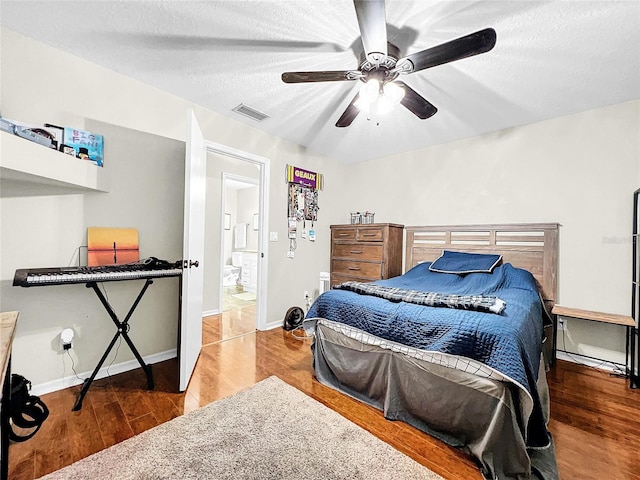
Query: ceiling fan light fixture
[
  {"x": 370, "y": 91},
  {"x": 368, "y": 95},
  {"x": 386, "y": 103},
  {"x": 393, "y": 92},
  {"x": 373, "y": 98}
]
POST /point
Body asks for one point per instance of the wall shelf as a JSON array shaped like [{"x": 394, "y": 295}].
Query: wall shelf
[{"x": 27, "y": 168}]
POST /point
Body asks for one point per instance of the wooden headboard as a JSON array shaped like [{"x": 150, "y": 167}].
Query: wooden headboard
[{"x": 530, "y": 246}]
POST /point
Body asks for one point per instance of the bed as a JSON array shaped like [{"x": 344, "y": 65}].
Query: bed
[{"x": 440, "y": 352}]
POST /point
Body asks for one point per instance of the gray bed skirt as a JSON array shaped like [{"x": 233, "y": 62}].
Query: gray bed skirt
[{"x": 478, "y": 410}]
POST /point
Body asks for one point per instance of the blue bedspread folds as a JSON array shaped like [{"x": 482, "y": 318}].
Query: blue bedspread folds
[{"x": 509, "y": 342}]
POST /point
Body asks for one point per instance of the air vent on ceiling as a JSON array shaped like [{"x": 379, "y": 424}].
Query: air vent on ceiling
[{"x": 242, "y": 109}]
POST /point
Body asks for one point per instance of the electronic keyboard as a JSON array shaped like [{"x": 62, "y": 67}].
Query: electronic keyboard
[{"x": 35, "y": 277}]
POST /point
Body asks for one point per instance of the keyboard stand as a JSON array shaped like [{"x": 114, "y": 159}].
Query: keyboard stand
[{"x": 123, "y": 329}]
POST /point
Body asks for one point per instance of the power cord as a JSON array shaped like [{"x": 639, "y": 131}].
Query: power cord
[
  {"x": 114, "y": 358},
  {"x": 73, "y": 255},
  {"x": 108, "y": 382},
  {"x": 300, "y": 337},
  {"x": 307, "y": 299},
  {"x": 73, "y": 366},
  {"x": 95, "y": 384},
  {"x": 616, "y": 371}
]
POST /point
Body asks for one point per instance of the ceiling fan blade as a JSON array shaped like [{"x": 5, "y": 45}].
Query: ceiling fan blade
[
  {"x": 202, "y": 42},
  {"x": 349, "y": 114},
  {"x": 373, "y": 28},
  {"x": 463, "y": 47},
  {"x": 321, "y": 76},
  {"x": 415, "y": 103}
]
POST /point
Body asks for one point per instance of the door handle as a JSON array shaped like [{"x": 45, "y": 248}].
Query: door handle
[{"x": 190, "y": 263}]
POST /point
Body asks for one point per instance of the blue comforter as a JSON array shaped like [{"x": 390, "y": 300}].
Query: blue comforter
[{"x": 509, "y": 342}]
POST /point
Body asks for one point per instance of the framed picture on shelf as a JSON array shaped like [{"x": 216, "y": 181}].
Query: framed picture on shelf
[
  {"x": 256, "y": 221},
  {"x": 87, "y": 145},
  {"x": 227, "y": 221}
]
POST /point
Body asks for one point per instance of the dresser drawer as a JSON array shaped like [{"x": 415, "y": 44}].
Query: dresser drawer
[
  {"x": 358, "y": 251},
  {"x": 343, "y": 234},
  {"x": 370, "y": 234},
  {"x": 357, "y": 269},
  {"x": 338, "y": 279}
]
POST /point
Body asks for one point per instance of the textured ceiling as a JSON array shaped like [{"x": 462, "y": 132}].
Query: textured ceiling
[{"x": 551, "y": 59}]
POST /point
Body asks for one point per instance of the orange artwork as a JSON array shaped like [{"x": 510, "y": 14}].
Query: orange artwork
[{"x": 112, "y": 246}]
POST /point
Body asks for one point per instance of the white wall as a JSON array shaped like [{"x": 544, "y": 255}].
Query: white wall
[
  {"x": 40, "y": 84},
  {"x": 580, "y": 171},
  {"x": 248, "y": 205}
]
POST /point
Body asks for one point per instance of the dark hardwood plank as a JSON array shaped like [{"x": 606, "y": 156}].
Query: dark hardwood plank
[
  {"x": 55, "y": 452},
  {"x": 595, "y": 421},
  {"x": 595, "y": 418},
  {"x": 84, "y": 432},
  {"x": 113, "y": 424},
  {"x": 133, "y": 401},
  {"x": 140, "y": 424},
  {"x": 23, "y": 463}
]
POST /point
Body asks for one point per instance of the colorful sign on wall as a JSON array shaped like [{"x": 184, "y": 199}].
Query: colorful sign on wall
[{"x": 304, "y": 177}]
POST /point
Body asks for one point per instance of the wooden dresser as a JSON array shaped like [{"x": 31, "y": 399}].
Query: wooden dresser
[{"x": 365, "y": 252}]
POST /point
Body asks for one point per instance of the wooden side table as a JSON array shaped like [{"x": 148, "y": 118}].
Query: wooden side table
[
  {"x": 8, "y": 322},
  {"x": 615, "y": 319}
]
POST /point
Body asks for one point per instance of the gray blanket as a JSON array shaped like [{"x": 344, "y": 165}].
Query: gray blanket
[
  {"x": 481, "y": 303},
  {"x": 480, "y": 414}
]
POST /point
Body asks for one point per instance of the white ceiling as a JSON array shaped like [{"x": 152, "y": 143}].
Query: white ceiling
[{"x": 551, "y": 59}]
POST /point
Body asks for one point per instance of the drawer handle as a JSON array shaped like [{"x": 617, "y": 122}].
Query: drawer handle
[
  {"x": 354, "y": 268},
  {"x": 368, "y": 234},
  {"x": 357, "y": 252},
  {"x": 344, "y": 234}
]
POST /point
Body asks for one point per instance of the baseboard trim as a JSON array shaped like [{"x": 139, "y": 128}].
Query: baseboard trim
[
  {"x": 72, "y": 380},
  {"x": 607, "y": 365},
  {"x": 208, "y": 313},
  {"x": 272, "y": 325}
]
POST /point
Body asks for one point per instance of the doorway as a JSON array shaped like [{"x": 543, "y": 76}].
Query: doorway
[
  {"x": 233, "y": 248},
  {"x": 240, "y": 233}
]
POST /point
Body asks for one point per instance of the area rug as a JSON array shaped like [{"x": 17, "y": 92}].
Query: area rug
[{"x": 269, "y": 431}]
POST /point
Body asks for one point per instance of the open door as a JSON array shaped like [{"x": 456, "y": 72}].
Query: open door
[{"x": 190, "y": 335}]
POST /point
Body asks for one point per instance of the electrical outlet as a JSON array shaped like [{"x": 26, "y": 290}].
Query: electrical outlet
[
  {"x": 306, "y": 294},
  {"x": 66, "y": 339},
  {"x": 562, "y": 324}
]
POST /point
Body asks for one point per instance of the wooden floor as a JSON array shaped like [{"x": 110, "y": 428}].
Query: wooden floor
[
  {"x": 232, "y": 323},
  {"x": 595, "y": 418}
]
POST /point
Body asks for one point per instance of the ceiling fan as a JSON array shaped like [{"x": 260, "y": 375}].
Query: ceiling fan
[{"x": 381, "y": 64}]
